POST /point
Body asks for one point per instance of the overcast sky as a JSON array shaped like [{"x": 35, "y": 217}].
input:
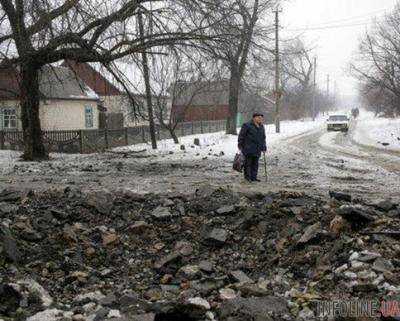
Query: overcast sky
[{"x": 343, "y": 22}]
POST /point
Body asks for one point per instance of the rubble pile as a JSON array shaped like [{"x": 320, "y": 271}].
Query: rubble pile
[{"x": 215, "y": 255}]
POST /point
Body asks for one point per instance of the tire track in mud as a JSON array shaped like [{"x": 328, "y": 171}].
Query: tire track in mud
[
  {"x": 342, "y": 165},
  {"x": 385, "y": 159}
]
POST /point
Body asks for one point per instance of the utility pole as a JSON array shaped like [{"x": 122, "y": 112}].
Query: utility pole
[
  {"x": 278, "y": 92},
  {"x": 327, "y": 85},
  {"x": 314, "y": 88},
  {"x": 147, "y": 85},
  {"x": 335, "y": 95},
  {"x": 327, "y": 92}
]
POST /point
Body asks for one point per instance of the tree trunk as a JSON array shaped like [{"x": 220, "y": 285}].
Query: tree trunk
[
  {"x": 234, "y": 86},
  {"x": 148, "y": 88},
  {"x": 30, "y": 100},
  {"x": 173, "y": 135}
]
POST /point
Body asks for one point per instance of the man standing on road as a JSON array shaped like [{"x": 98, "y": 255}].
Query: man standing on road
[{"x": 252, "y": 143}]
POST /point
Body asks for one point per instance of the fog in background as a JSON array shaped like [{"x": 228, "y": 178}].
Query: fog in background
[{"x": 333, "y": 28}]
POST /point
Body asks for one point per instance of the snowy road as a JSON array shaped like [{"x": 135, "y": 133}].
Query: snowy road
[
  {"x": 304, "y": 158},
  {"x": 326, "y": 161}
]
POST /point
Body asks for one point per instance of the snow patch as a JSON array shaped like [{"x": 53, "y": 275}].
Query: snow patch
[
  {"x": 382, "y": 133},
  {"x": 222, "y": 145},
  {"x": 212, "y": 146}
]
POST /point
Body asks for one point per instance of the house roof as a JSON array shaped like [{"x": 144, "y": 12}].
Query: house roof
[
  {"x": 55, "y": 82},
  {"x": 203, "y": 93},
  {"x": 9, "y": 88},
  {"x": 216, "y": 93},
  {"x": 92, "y": 78}
]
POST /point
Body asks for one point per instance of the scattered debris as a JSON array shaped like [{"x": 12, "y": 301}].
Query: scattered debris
[
  {"x": 310, "y": 233},
  {"x": 215, "y": 255},
  {"x": 216, "y": 236},
  {"x": 340, "y": 196},
  {"x": 240, "y": 276},
  {"x": 162, "y": 213}
]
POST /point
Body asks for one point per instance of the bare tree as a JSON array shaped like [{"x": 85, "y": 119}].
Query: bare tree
[
  {"x": 297, "y": 77},
  {"x": 178, "y": 77},
  {"x": 245, "y": 29},
  {"x": 39, "y": 32},
  {"x": 378, "y": 65},
  {"x": 378, "y": 99}
]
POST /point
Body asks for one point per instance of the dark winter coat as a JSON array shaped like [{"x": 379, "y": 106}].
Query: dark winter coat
[{"x": 252, "y": 139}]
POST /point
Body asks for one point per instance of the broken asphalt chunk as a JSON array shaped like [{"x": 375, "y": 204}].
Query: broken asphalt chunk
[
  {"x": 294, "y": 202},
  {"x": 253, "y": 308},
  {"x": 355, "y": 215},
  {"x": 101, "y": 200},
  {"x": 171, "y": 258},
  {"x": 161, "y": 213},
  {"x": 382, "y": 265},
  {"x": 206, "y": 266},
  {"x": 9, "y": 196},
  {"x": 341, "y": 197},
  {"x": 240, "y": 277},
  {"x": 9, "y": 245},
  {"x": 183, "y": 248},
  {"x": 138, "y": 227},
  {"x": 385, "y": 205},
  {"x": 310, "y": 233},
  {"x": 7, "y": 208},
  {"x": 225, "y": 210},
  {"x": 216, "y": 236},
  {"x": 143, "y": 317}
]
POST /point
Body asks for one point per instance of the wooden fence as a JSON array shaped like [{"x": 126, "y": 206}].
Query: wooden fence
[{"x": 97, "y": 140}]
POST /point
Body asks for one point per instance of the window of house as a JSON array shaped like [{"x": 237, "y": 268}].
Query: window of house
[
  {"x": 89, "y": 117},
  {"x": 8, "y": 118}
]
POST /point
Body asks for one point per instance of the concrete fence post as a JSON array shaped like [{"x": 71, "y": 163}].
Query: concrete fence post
[
  {"x": 143, "y": 135},
  {"x": 106, "y": 137},
  {"x": 126, "y": 136},
  {"x": 80, "y": 133},
  {"x": 1, "y": 139}
]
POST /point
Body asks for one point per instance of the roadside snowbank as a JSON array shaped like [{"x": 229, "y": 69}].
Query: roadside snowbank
[
  {"x": 382, "y": 133},
  {"x": 214, "y": 144},
  {"x": 334, "y": 141},
  {"x": 222, "y": 145},
  {"x": 7, "y": 161}
]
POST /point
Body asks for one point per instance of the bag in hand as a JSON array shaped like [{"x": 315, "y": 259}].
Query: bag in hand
[{"x": 238, "y": 162}]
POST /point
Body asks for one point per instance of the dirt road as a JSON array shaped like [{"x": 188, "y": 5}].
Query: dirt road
[
  {"x": 323, "y": 161},
  {"x": 315, "y": 162}
]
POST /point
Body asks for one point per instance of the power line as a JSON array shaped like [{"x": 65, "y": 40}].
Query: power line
[
  {"x": 355, "y": 18},
  {"x": 335, "y": 24},
  {"x": 277, "y": 74},
  {"x": 330, "y": 27},
  {"x": 314, "y": 87}
]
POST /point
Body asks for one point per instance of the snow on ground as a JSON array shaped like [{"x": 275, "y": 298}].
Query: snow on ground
[
  {"x": 220, "y": 144},
  {"x": 213, "y": 144},
  {"x": 7, "y": 160},
  {"x": 335, "y": 141},
  {"x": 377, "y": 132}
]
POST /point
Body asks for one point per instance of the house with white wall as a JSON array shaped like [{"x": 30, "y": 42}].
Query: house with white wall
[
  {"x": 121, "y": 111},
  {"x": 67, "y": 103}
]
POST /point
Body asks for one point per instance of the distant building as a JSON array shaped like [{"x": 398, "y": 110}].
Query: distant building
[
  {"x": 67, "y": 103},
  {"x": 118, "y": 105},
  {"x": 111, "y": 98},
  {"x": 196, "y": 101}
]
